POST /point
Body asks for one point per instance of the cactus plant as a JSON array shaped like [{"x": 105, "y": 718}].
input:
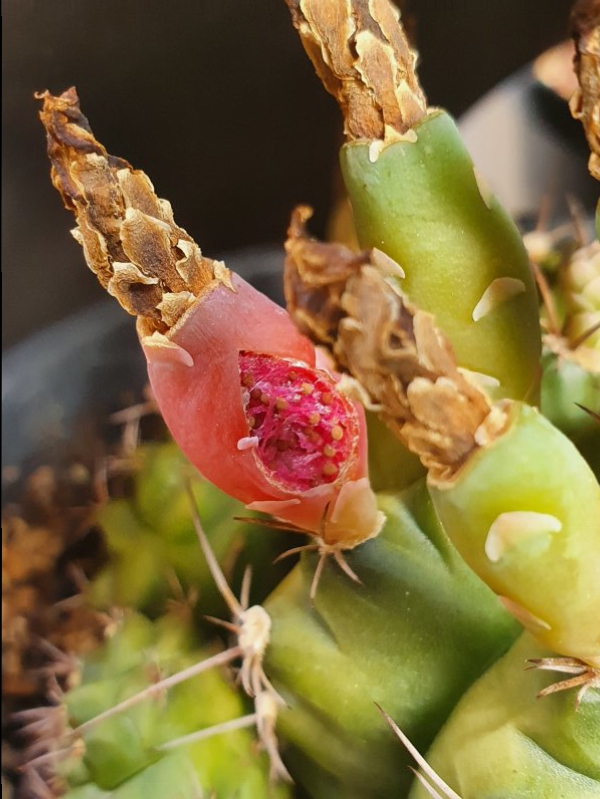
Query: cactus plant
[{"x": 411, "y": 599}]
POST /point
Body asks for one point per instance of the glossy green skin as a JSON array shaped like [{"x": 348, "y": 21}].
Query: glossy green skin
[
  {"x": 501, "y": 742},
  {"x": 121, "y": 760},
  {"x": 420, "y": 203},
  {"x": 412, "y": 637},
  {"x": 554, "y": 576}
]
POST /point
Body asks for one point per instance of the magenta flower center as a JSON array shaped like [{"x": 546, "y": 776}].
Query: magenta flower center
[{"x": 303, "y": 431}]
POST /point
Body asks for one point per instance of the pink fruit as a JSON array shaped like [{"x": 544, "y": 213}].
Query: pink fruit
[{"x": 240, "y": 392}]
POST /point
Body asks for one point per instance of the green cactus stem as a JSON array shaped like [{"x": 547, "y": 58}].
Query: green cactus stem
[
  {"x": 512, "y": 492},
  {"x": 131, "y": 753},
  {"x": 417, "y": 197},
  {"x": 503, "y": 743},
  {"x": 412, "y": 637},
  {"x": 151, "y": 539},
  {"x": 525, "y": 514},
  {"x": 422, "y": 203}
]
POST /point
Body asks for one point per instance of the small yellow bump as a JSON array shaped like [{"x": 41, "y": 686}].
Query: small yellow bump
[
  {"x": 307, "y": 388},
  {"x": 329, "y": 469},
  {"x": 264, "y": 398},
  {"x": 248, "y": 380},
  {"x": 280, "y": 404},
  {"x": 327, "y": 398},
  {"x": 314, "y": 418},
  {"x": 328, "y": 451},
  {"x": 337, "y": 433}
]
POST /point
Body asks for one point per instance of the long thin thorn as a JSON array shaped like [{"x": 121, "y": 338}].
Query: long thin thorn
[
  {"x": 48, "y": 757},
  {"x": 547, "y": 298},
  {"x": 433, "y": 775},
  {"x": 133, "y": 412},
  {"x": 209, "y": 732},
  {"x": 296, "y": 551},
  {"x": 428, "y": 787},
  {"x": 585, "y": 335},
  {"x": 346, "y": 568},
  {"x": 217, "y": 574},
  {"x": 564, "y": 685},
  {"x": 317, "y": 576},
  {"x": 577, "y": 216},
  {"x": 589, "y": 411},
  {"x": 227, "y": 625},
  {"x": 35, "y": 713},
  {"x": 272, "y": 524},
  {"x": 216, "y": 660},
  {"x": 564, "y": 665},
  {"x": 245, "y": 589}
]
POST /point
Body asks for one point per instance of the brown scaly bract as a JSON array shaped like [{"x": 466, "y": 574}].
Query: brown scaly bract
[
  {"x": 129, "y": 237},
  {"x": 363, "y": 59},
  {"x": 352, "y": 303},
  {"x": 585, "y": 103}
]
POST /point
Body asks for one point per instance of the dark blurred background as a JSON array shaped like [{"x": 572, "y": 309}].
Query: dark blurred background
[{"x": 217, "y": 102}]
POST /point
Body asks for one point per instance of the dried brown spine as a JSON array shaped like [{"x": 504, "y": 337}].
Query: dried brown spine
[
  {"x": 362, "y": 56},
  {"x": 352, "y": 304},
  {"x": 129, "y": 237}
]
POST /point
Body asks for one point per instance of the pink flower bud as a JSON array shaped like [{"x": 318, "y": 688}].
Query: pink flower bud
[{"x": 241, "y": 394}]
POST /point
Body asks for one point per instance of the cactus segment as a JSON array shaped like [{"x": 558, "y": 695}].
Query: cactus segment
[
  {"x": 524, "y": 512},
  {"x": 419, "y": 629},
  {"x": 569, "y": 392},
  {"x": 125, "y": 756},
  {"x": 151, "y": 539},
  {"x": 502, "y": 743},
  {"x": 420, "y": 203}
]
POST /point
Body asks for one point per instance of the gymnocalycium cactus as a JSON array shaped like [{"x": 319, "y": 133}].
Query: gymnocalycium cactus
[{"x": 435, "y": 325}]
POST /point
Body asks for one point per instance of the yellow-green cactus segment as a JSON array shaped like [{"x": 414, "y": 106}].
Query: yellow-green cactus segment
[
  {"x": 501, "y": 742},
  {"x": 525, "y": 515},
  {"x": 421, "y": 201}
]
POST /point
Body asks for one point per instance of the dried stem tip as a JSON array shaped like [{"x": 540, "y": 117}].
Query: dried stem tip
[
  {"x": 129, "y": 237},
  {"x": 585, "y": 103},
  {"x": 362, "y": 56},
  {"x": 407, "y": 368}
]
